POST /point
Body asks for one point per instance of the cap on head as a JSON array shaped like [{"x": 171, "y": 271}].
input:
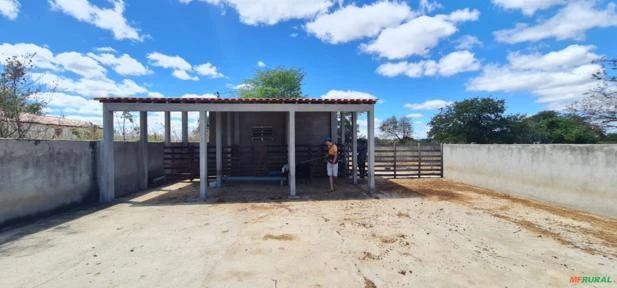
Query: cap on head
[{"x": 327, "y": 139}]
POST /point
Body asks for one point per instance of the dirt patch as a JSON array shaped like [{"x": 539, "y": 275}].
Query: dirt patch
[
  {"x": 599, "y": 231},
  {"x": 281, "y": 237},
  {"x": 368, "y": 283}
]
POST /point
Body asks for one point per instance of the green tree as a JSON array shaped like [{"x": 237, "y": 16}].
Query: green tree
[
  {"x": 477, "y": 120},
  {"x": 399, "y": 129},
  {"x": 274, "y": 83},
  {"x": 18, "y": 98},
  {"x": 555, "y": 128}
]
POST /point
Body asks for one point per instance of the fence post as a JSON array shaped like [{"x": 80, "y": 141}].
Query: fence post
[
  {"x": 419, "y": 161},
  {"x": 395, "y": 160},
  {"x": 441, "y": 160}
]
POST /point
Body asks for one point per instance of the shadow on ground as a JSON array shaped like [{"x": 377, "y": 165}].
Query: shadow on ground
[{"x": 187, "y": 193}]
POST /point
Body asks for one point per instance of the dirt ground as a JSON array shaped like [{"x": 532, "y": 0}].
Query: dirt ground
[{"x": 413, "y": 233}]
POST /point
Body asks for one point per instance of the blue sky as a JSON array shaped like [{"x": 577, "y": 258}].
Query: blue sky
[{"x": 415, "y": 56}]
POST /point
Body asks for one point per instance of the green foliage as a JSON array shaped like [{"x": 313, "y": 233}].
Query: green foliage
[
  {"x": 483, "y": 121},
  {"x": 399, "y": 129},
  {"x": 274, "y": 83},
  {"x": 18, "y": 96},
  {"x": 553, "y": 127},
  {"x": 474, "y": 121}
]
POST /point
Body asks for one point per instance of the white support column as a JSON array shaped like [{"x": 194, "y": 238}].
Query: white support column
[
  {"x": 346, "y": 149},
  {"x": 291, "y": 152},
  {"x": 219, "y": 148},
  {"x": 354, "y": 147},
  {"x": 203, "y": 155},
  {"x": 333, "y": 126},
  {"x": 371, "y": 149},
  {"x": 143, "y": 148},
  {"x": 228, "y": 125},
  {"x": 107, "y": 193},
  {"x": 185, "y": 127},
  {"x": 167, "y": 127}
]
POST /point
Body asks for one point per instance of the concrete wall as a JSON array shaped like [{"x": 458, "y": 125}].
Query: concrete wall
[
  {"x": 311, "y": 127},
  {"x": 40, "y": 176},
  {"x": 578, "y": 176}
]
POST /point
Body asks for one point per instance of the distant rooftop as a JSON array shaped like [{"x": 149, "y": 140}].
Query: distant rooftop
[
  {"x": 55, "y": 121},
  {"x": 236, "y": 100}
]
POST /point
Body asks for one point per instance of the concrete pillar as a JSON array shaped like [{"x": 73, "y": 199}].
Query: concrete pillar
[
  {"x": 291, "y": 151},
  {"x": 203, "y": 155},
  {"x": 107, "y": 193},
  {"x": 219, "y": 148},
  {"x": 167, "y": 127},
  {"x": 346, "y": 149},
  {"x": 354, "y": 147},
  {"x": 371, "y": 149},
  {"x": 333, "y": 129},
  {"x": 185, "y": 127},
  {"x": 143, "y": 148}
]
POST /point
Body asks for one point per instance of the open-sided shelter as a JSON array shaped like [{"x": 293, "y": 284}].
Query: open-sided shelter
[{"x": 238, "y": 122}]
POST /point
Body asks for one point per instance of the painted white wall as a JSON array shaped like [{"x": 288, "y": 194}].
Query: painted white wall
[{"x": 583, "y": 177}]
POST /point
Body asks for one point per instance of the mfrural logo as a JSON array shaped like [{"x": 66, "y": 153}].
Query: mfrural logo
[{"x": 590, "y": 280}]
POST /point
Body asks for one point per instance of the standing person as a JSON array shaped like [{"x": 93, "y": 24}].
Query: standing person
[
  {"x": 362, "y": 157},
  {"x": 332, "y": 165}
]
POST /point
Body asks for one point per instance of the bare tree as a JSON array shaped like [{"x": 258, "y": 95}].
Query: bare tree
[
  {"x": 122, "y": 119},
  {"x": 400, "y": 129},
  {"x": 600, "y": 105},
  {"x": 19, "y": 98}
]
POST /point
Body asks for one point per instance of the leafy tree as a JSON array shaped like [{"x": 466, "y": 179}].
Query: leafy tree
[
  {"x": 274, "y": 83},
  {"x": 18, "y": 98},
  {"x": 477, "y": 120},
  {"x": 555, "y": 128},
  {"x": 600, "y": 106},
  {"x": 399, "y": 129}
]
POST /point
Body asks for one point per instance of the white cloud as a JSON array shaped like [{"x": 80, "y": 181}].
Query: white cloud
[
  {"x": 181, "y": 67},
  {"x": 429, "y": 105},
  {"x": 417, "y": 36},
  {"x": 242, "y": 86},
  {"x": 528, "y": 7},
  {"x": 571, "y": 22},
  {"x": 107, "y": 19},
  {"x": 9, "y": 8},
  {"x": 105, "y": 50},
  {"x": 463, "y": 15},
  {"x": 428, "y": 6},
  {"x": 169, "y": 62},
  {"x": 66, "y": 104},
  {"x": 347, "y": 94},
  {"x": 353, "y": 22},
  {"x": 451, "y": 64},
  {"x": 41, "y": 56},
  {"x": 261, "y": 64},
  {"x": 124, "y": 65},
  {"x": 415, "y": 115},
  {"x": 90, "y": 87},
  {"x": 270, "y": 12},
  {"x": 555, "y": 78},
  {"x": 206, "y": 95},
  {"x": 183, "y": 75},
  {"x": 156, "y": 95},
  {"x": 467, "y": 42},
  {"x": 209, "y": 70},
  {"x": 80, "y": 64}
]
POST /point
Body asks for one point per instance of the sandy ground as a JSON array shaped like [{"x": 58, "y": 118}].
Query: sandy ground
[{"x": 414, "y": 233}]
